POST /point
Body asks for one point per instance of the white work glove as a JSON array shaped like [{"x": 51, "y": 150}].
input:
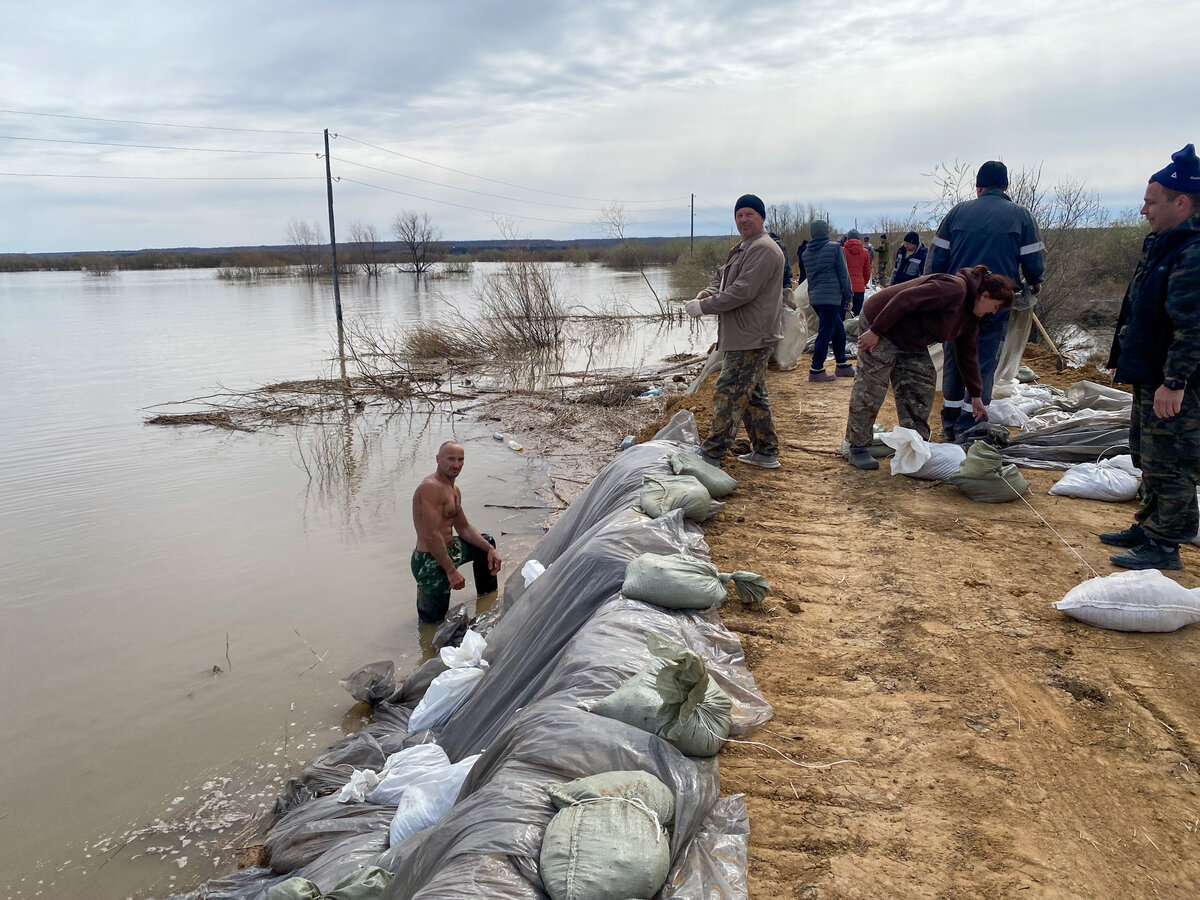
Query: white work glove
[{"x": 692, "y": 308}]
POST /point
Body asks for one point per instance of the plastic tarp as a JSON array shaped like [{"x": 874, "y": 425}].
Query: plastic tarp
[
  {"x": 617, "y": 487},
  {"x": 313, "y": 828},
  {"x": 529, "y": 637},
  {"x": 504, "y": 806}
]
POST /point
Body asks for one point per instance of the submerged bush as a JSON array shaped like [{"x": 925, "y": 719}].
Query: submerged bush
[{"x": 695, "y": 267}]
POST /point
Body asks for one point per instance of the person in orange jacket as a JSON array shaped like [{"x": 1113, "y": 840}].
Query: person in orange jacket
[{"x": 858, "y": 261}]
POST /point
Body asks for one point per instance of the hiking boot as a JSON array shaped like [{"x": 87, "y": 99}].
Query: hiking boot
[
  {"x": 861, "y": 458},
  {"x": 820, "y": 375},
  {"x": 1150, "y": 554},
  {"x": 1130, "y": 537},
  {"x": 845, "y": 370},
  {"x": 761, "y": 460},
  {"x": 711, "y": 460}
]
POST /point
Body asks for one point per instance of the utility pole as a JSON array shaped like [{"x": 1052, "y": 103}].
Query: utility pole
[
  {"x": 692, "y": 239},
  {"x": 337, "y": 294}
]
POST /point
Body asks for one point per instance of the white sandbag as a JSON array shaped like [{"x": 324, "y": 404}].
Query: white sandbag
[
  {"x": 1110, "y": 480},
  {"x": 679, "y": 581},
  {"x": 468, "y": 653},
  {"x": 717, "y": 482},
  {"x": 446, "y": 693},
  {"x": 405, "y": 767},
  {"x": 427, "y": 799},
  {"x": 1005, "y": 412},
  {"x": 663, "y": 493},
  {"x": 920, "y": 458},
  {"x": 1145, "y": 600},
  {"x": 795, "y": 339},
  {"x": 362, "y": 782}
]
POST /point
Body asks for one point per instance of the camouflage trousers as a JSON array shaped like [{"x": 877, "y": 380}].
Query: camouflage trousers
[
  {"x": 741, "y": 397},
  {"x": 913, "y": 380},
  {"x": 1168, "y": 453}
]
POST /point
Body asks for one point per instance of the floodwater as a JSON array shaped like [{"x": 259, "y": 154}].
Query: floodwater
[{"x": 178, "y": 604}]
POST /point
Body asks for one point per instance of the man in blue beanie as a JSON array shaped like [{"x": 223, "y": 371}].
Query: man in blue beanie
[
  {"x": 992, "y": 231},
  {"x": 1157, "y": 350},
  {"x": 746, "y": 295}
]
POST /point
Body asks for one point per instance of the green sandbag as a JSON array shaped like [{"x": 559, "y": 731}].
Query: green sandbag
[
  {"x": 630, "y": 785},
  {"x": 679, "y": 581},
  {"x": 985, "y": 477},
  {"x": 365, "y": 884},
  {"x": 294, "y": 889},
  {"x": 675, "y": 698},
  {"x": 718, "y": 482},
  {"x": 612, "y": 849},
  {"x": 663, "y": 493}
]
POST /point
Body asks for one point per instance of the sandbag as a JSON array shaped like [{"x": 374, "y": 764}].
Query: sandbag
[
  {"x": 675, "y": 698},
  {"x": 363, "y": 885},
  {"x": 1005, "y": 412},
  {"x": 427, "y": 799},
  {"x": 606, "y": 848},
  {"x": 309, "y": 830},
  {"x": 632, "y": 785},
  {"x": 405, "y": 767},
  {"x": 920, "y": 458},
  {"x": 449, "y": 690},
  {"x": 1144, "y": 600},
  {"x": 294, "y": 889},
  {"x": 373, "y": 682},
  {"x": 717, "y": 482},
  {"x": 1113, "y": 480},
  {"x": 679, "y": 581},
  {"x": 985, "y": 477},
  {"x": 663, "y": 493},
  {"x": 795, "y": 338}
]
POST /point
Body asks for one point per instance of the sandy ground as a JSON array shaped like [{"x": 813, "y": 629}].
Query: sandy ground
[{"x": 999, "y": 749}]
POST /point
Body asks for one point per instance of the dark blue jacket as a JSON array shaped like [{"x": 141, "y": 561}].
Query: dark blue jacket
[
  {"x": 787, "y": 266},
  {"x": 909, "y": 265},
  {"x": 828, "y": 277},
  {"x": 1158, "y": 330},
  {"x": 993, "y": 231}
]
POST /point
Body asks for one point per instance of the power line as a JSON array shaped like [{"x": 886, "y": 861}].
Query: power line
[
  {"x": 491, "y": 212},
  {"x": 22, "y": 112},
  {"x": 169, "y": 177},
  {"x": 12, "y": 137},
  {"x": 505, "y": 183},
  {"x": 481, "y": 193}
]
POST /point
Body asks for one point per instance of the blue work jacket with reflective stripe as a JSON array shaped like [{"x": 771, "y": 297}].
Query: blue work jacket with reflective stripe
[{"x": 991, "y": 231}]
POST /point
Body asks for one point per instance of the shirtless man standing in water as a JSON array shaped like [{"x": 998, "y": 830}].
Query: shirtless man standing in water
[{"x": 437, "y": 514}]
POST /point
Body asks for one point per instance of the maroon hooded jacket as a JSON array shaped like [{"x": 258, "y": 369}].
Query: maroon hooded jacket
[{"x": 932, "y": 309}]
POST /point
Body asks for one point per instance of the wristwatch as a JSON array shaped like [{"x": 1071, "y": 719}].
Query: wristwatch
[{"x": 1174, "y": 384}]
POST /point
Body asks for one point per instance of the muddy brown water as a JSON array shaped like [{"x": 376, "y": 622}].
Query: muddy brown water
[{"x": 177, "y": 605}]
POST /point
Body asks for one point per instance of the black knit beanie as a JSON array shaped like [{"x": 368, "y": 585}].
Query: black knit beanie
[
  {"x": 751, "y": 201},
  {"x": 992, "y": 174}
]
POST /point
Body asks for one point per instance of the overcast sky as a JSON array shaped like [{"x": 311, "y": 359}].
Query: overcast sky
[{"x": 547, "y": 112}]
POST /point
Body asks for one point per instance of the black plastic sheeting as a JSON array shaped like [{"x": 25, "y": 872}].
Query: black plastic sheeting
[{"x": 560, "y": 644}]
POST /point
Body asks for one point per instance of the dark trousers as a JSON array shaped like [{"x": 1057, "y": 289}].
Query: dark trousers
[
  {"x": 856, "y": 302},
  {"x": 832, "y": 329},
  {"x": 433, "y": 596},
  {"x": 956, "y": 404},
  {"x": 1168, "y": 453},
  {"x": 741, "y": 397}
]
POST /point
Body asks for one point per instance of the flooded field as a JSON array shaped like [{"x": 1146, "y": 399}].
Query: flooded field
[{"x": 177, "y": 605}]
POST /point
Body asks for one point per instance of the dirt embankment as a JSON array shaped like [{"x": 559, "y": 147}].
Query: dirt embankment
[{"x": 1000, "y": 750}]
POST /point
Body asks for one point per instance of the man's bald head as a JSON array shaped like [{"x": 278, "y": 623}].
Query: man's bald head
[{"x": 450, "y": 458}]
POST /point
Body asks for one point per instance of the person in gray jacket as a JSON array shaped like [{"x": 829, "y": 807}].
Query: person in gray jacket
[
  {"x": 746, "y": 297},
  {"x": 829, "y": 292}
]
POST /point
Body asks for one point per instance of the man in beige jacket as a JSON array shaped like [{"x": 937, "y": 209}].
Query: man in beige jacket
[{"x": 745, "y": 296}]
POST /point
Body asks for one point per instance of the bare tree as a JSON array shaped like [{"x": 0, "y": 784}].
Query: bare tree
[
  {"x": 790, "y": 221},
  {"x": 419, "y": 237},
  {"x": 366, "y": 255},
  {"x": 309, "y": 240},
  {"x": 614, "y": 220}
]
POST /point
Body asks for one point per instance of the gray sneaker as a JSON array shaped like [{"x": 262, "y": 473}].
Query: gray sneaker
[{"x": 761, "y": 460}]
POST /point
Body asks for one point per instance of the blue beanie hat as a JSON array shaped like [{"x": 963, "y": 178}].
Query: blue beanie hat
[
  {"x": 1183, "y": 174},
  {"x": 751, "y": 201}
]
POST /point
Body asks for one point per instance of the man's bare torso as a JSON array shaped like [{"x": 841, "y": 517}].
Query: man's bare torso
[{"x": 436, "y": 506}]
